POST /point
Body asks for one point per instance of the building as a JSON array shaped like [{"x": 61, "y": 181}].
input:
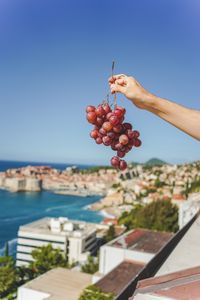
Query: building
[
  {"x": 138, "y": 245},
  {"x": 180, "y": 285},
  {"x": 173, "y": 273},
  {"x": 188, "y": 209},
  {"x": 76, "y": 239},
  {"x": 186, "y": 254},
  {"x": 57, "y": 284}
]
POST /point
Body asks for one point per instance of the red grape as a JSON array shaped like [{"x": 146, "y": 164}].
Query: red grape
[
  {"x": 90, "y": 108},
  {"x": 111, "y": 134},
  {"x": 138, "y": 143},
  {"x": 110, "y": 114},
  {"x": 99, "y": 121},
  {"x": 102, "y": 131},
  {"x": 100, "y": 111},
  {"x": 123, "y": 139},
  {"x": 136, "y": 133},
  {"x": 118, "y": 113},
  {"x": 121, "y": 108},
  {"x": 107, "y": 108},
  {"x": 127, "y": 126},
  {"x": 94, "y": 133},
  {"x": 118, "y": 128},
  {"x": 99, "y": 140},
  {"x": 121, "y": 153},
  {"x": 114, "y": 120},
  {"x": 115, "y": 161},
  {"x": 122, "y": 165},
  {"x": 118, "y": 146},
  {"x": 91, "y": 117},
  {"x": 107, "y": 140},
  {"x": 107, "y": 126},
  {"x": 130, "y": 133}
]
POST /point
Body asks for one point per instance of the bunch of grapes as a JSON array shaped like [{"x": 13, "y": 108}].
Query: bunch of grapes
[{"x": 110, "y": 130}]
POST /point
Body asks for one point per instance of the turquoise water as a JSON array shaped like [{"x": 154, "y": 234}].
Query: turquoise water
[{"x": 21, "y": 208}]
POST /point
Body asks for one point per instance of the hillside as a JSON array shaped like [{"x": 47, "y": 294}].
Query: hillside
[{"x": 155, "y": 161}]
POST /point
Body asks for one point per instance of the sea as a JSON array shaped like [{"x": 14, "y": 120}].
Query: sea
[{"x": 17, "y": 209}]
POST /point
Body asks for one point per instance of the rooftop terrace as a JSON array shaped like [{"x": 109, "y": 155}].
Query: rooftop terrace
[{"x": 61, "y": 226}]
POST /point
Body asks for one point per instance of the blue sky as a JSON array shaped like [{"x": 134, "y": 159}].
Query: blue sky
[{"x": 55, "y": 58}]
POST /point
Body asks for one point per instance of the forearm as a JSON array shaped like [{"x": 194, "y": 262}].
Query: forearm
[{"x": 185, "y": 119}]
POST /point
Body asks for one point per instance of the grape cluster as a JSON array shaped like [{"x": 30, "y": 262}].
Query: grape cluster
[{"x": 110, "y": 130}]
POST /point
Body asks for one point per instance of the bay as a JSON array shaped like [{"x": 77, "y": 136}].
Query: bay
[{"x": 21, "y": 208}]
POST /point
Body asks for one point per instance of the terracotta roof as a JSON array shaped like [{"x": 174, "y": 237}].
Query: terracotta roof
[
  {"x": 178, "y": 197},
  {"x": 110, "y": 221},
  {"x": 116, "y": 280},
  {"x": 143, "y": 240},
  {"x": 178, "y": 285}
]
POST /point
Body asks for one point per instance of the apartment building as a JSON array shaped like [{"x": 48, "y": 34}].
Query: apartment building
[{"x": 76, "y": 239}]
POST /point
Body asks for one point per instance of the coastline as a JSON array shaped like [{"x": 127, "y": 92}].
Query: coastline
[
  {"x": 105, "y": 214},
  {"x": 75, "y": 193},
  {"x": 28, "y": 207}
]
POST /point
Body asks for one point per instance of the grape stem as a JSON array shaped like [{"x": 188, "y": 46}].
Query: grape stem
[{"x": 115, "y": 95}]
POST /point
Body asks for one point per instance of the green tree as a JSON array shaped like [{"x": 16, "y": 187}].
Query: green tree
[
  {"x": 159, "y": 215},
  {"x": 91, "y": 266},
  {"x": 47, "y": 258},
  {"x": 8, "y": 277},
  {"x": 110, "y": 234},
  {"x": 195, "y": 185},
  {"x": 128, "y": 218},
  {"x": 92, "y": 292}
]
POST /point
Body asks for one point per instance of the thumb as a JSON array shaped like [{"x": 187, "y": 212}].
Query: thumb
[{"x": 116, "y": 88}]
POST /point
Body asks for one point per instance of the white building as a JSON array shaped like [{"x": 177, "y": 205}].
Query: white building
[
  {"x": 57, "y": 284},
  {"x": 188, "y": 209},
  {"x": 76, "y": 239},
  {"x": 138, "y": 245}
]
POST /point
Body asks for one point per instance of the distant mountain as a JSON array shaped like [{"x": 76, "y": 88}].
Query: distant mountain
[{"x": 155, "y": 161}]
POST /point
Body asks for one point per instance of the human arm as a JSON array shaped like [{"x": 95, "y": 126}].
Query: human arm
[{"x": 187, "y": 120}]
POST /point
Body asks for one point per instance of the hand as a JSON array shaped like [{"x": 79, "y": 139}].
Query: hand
[{"x": 131, "y": 88}]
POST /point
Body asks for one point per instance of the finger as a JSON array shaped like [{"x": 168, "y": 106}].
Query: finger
[
  {"x": 116, "y": 88},
  {"x": 115, "y": 77},
  {"x": 121, "y": 81}
]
